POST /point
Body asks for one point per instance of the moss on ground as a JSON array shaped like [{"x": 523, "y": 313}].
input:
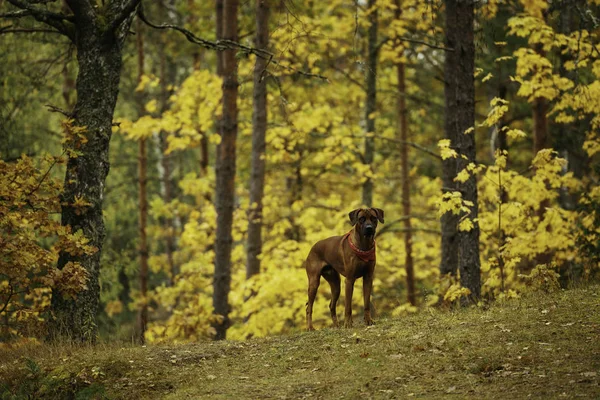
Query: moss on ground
[{"x": 540, "y": 346}]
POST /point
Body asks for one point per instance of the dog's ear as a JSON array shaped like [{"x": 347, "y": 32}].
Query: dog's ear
[
  {"x": 353, "y": 215},
  {"x": 379, "y": 213}
]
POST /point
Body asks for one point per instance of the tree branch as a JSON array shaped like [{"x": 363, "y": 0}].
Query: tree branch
[
  {"x": 224, "y": 44},
  {"x": 388, "y": 226},
  {"x": 16, "y": 14},
  {"x": 55, "y": 20},
  {"x": 83, "y": 10},
  {"x": 405, "y": 39},
  {"x": 122, "y": 12},
  {"x": 52, "y": 108},
  {"x": 411, "y": 144},
  {"x": 426, "y": 230},
  {"x": 7, "y": 29}
]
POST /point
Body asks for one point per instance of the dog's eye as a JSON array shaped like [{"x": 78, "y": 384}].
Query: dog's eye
[{"x": 362, "y": 219}]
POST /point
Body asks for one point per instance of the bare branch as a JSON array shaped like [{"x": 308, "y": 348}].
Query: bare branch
[
  {"x": 52, "y": 108},
  {"x": 60, "y": 22},
  {"x": 398, "y": 230},
  {"x": 412, "y": 144},
  {"x": 388, "y": 226},
  {"x": 399, "y": 39},
  {"x": 37, "y": 12},
  {"x": 7, "y": 29},
  {"x": 16, "y": 14},
  {"x": 222, "y": 45}
]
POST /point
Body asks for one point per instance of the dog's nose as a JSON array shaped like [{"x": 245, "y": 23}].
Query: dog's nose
[{"x": 369, "y": 230}]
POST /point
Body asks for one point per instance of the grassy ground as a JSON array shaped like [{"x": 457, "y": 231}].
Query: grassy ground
[{"x": 541, "y": 346}]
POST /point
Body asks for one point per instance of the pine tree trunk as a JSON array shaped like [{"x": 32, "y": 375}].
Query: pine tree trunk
[
  {"x": 219, "y": 33},
  {"x": 460, "y": 87},
  {"x": 405, "y": 174},
  {"x": 449, "y": 221},
  {"x": 403, "y": 128},
  {"x": 225, "y": 171},
  {"x": 371, "y": 100},
  {"x": 142, "y": 318},
  {"x": 259, "y": 125},
  {"x": 165, "y": 160},
  {"x": 540, "y": 142},
  {"x": 85, "y": 177}
]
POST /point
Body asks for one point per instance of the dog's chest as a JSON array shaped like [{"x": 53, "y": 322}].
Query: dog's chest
[{"x": 360, "y": 268}]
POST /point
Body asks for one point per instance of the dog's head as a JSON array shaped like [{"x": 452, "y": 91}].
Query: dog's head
[{"x": 366, "y": 219}]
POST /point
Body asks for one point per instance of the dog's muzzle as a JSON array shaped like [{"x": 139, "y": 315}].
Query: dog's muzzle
[{"x": 369, "y": 230}]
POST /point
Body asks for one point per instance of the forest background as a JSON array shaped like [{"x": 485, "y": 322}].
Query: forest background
[{"x": 355, "y": 113}]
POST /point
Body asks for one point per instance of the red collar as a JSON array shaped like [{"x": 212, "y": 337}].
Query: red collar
[{"x": 365, "y": 255}]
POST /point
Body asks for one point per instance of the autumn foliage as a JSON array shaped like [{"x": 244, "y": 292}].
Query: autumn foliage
[
  {"x": 31, "y": 240},
  {"x": 539, "y": 212}
]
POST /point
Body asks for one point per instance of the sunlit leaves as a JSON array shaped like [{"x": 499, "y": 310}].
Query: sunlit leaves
[
  {"x": 499, "y": 107},
  {"x": 31, "y": 240},
  {"x": 445, "y": 150}
]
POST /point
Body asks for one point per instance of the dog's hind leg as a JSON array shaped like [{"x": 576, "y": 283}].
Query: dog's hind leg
[
  {"x": 313, "y": 285},
  {"x": 333, "y": 277}
]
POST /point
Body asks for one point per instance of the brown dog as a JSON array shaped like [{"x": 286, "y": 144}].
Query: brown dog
[{"x": 351, "y": 255}]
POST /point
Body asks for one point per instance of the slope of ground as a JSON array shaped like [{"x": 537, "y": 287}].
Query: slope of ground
[{"x": 540, "y": 346}]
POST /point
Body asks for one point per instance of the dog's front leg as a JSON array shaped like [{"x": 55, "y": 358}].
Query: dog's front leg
[
  {"x": 367, "y": 288},
  {"x": 348, "y": 299}
]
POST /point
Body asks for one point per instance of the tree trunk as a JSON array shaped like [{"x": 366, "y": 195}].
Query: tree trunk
[
  {"x": 225, "y": 175},
  {"x": 540, "y": 125},
  {"x": 449, "y": 221},
  {"x": 371, "y": 100},
  {"x": 540, "y": 142},
  {"x": 97, "y": 90},
  {"x": 460, "y": 85},
  {"x": 503, "y": 194},
  {"x": 166, "y": 79},
  {"x": 405, "y": 175},
  {"x": 259, "y": 124},
  {"x": 219, "y": 34},
  {"x": 403, "y": 128},
  {"x": 142, "y": 318},
  {"x": 569, "y": 138},
  {"x": 294, "y": 186}
]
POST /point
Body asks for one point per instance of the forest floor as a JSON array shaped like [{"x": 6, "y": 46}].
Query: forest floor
[{"x": 539, "y": 346}]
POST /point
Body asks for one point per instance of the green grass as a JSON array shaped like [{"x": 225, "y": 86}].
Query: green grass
[{"x": 540, "y": 346}]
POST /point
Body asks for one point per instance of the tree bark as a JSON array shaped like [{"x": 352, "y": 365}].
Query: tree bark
[
  {"x": 219, "y": 34},
  {"x": 405, "y": 175},
  {"x": 166, "y": 79},
  {"x": 371, "y": 99},
  {"x": 449, "y": 221},
  {"x": 460, "y": 90},
  {"x": 225, "y": 175},
  {"x": 540, "y": 125},
  {"x": 98, "y": 44},
  {"x": 142, "y": 318},
  {"x": 259, "y": 125}
]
